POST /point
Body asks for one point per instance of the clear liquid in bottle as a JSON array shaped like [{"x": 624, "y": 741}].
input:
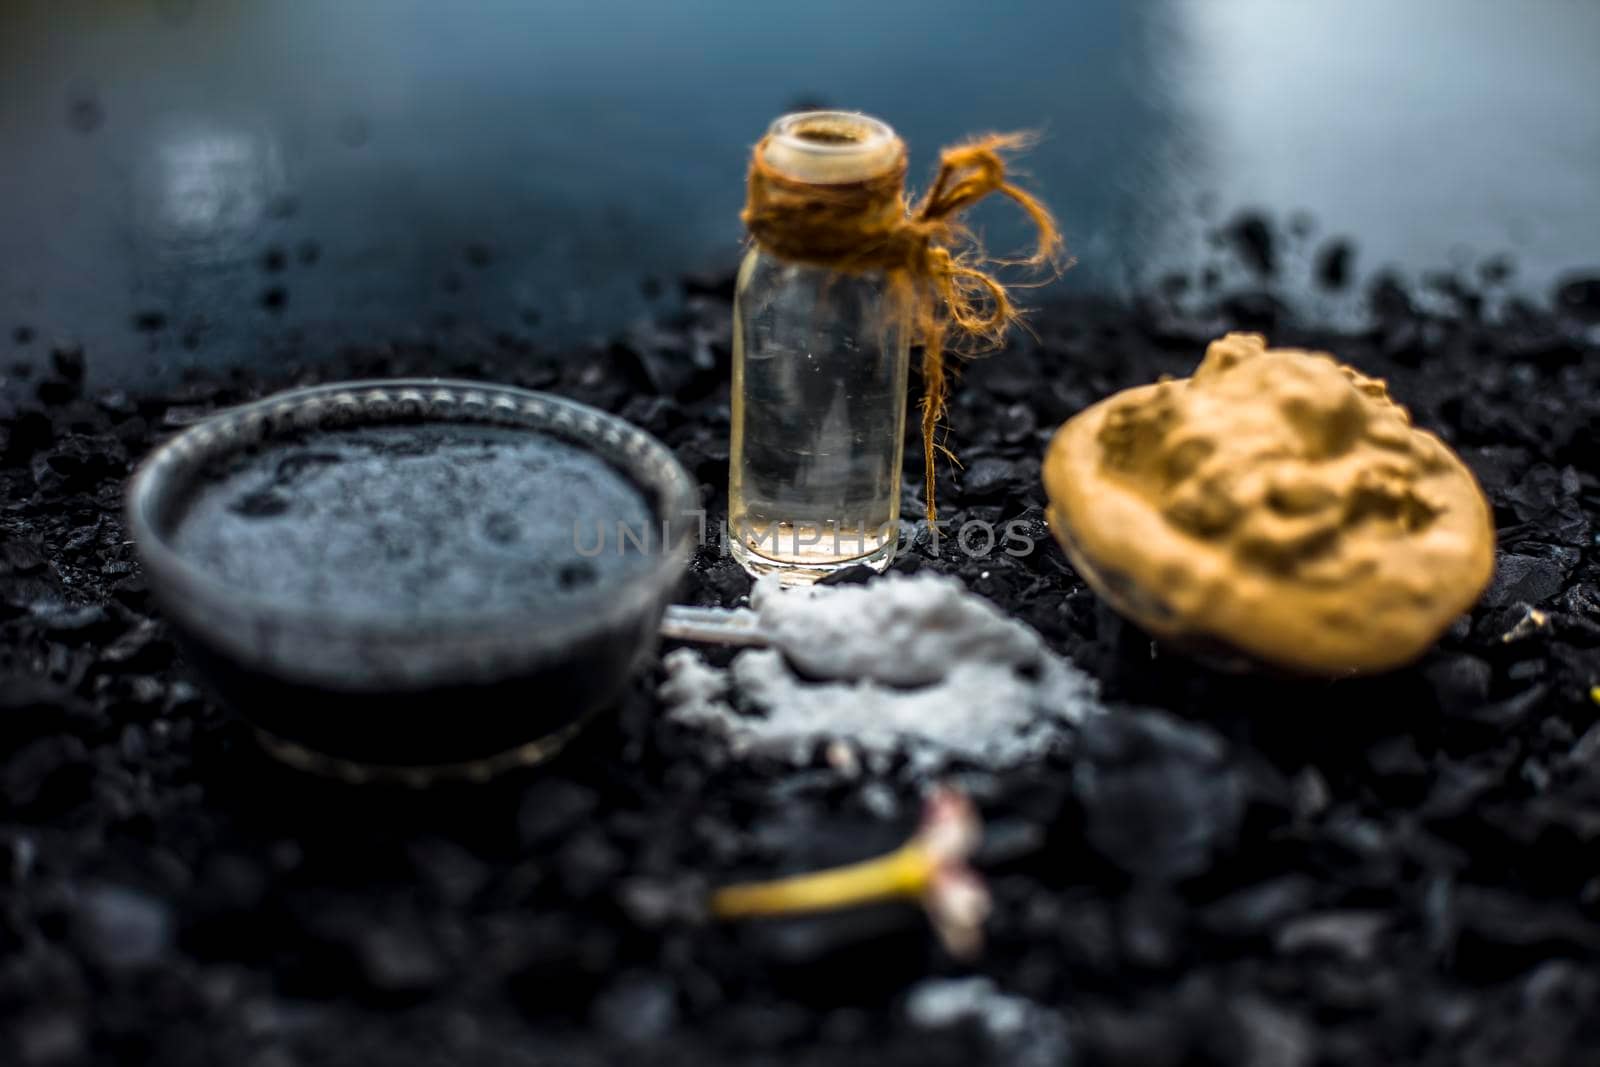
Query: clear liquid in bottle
[{"x": 819, "y": 405}]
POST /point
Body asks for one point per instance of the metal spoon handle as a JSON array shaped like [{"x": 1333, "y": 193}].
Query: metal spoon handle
[{"x": 721, "y": 626}]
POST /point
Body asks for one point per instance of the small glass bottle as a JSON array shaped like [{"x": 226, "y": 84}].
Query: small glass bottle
[{"x": 820, "y": 363}]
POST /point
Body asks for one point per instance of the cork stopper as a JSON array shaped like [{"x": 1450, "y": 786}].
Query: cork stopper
[{"x": 832, "y": 147}]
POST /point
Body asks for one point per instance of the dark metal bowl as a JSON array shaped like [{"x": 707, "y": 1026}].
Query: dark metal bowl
[{"x": 366, "y": 698}]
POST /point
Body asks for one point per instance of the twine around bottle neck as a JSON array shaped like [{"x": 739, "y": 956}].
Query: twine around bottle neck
[{"x": 938, "y": 283}]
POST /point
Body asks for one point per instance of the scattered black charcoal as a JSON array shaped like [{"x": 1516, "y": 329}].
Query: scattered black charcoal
[
  {"x": 120, "y": 928},
  {"x": 1529, "y": 579},
  {"x": 859, "y": 574},
  {"x": 1252, "y": 309},
  {"x": 988, "y": 477},
  {"x": 1222, "y": 870},
  {"x": 1390, "y": 300},
  {"x": 638, "y": 1008},
  {"x": 66, "y": 358},
  {"x": 1333, "y": 264},
  {"x": 1161, "y": 801},
  {"x": 1580, "y": 297},
  {"x": 1253, "y": 240}
]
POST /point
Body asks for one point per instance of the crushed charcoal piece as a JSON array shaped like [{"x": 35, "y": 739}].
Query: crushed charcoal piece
[
  {"x": 1252, "y": 238},
  {"x": 1159, "y": 795},
  {"x": 1333, "y": 264},
  {"x": 1353, "y": 935}
]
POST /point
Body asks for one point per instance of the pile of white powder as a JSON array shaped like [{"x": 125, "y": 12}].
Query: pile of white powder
[{"x": 912, "y": 664}]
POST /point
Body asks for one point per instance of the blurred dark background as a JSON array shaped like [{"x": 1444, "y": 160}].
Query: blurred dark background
[{"x": 224, "y": 183}]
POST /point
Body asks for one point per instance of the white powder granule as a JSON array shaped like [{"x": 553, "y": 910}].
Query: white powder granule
[{"x": 913, "y": 664}]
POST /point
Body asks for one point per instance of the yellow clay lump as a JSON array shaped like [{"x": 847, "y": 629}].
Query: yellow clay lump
[{"x": 1276, "y": 508}]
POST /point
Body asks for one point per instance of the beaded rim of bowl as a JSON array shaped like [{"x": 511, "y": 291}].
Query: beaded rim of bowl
[{"x": 341, "y": 651}]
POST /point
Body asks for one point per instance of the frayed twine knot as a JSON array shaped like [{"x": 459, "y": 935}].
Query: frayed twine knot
[{"x": 940, "y": 281}]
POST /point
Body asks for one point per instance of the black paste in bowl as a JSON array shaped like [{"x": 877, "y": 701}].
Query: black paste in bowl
[
  {"x": 414, "y": 578},
  {"x": 418, "y": 522}
]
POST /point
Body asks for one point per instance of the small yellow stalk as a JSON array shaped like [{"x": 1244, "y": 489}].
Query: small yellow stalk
[
  {"x": 931, "y": 868},
  {"x": 902, "y": 873}
]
